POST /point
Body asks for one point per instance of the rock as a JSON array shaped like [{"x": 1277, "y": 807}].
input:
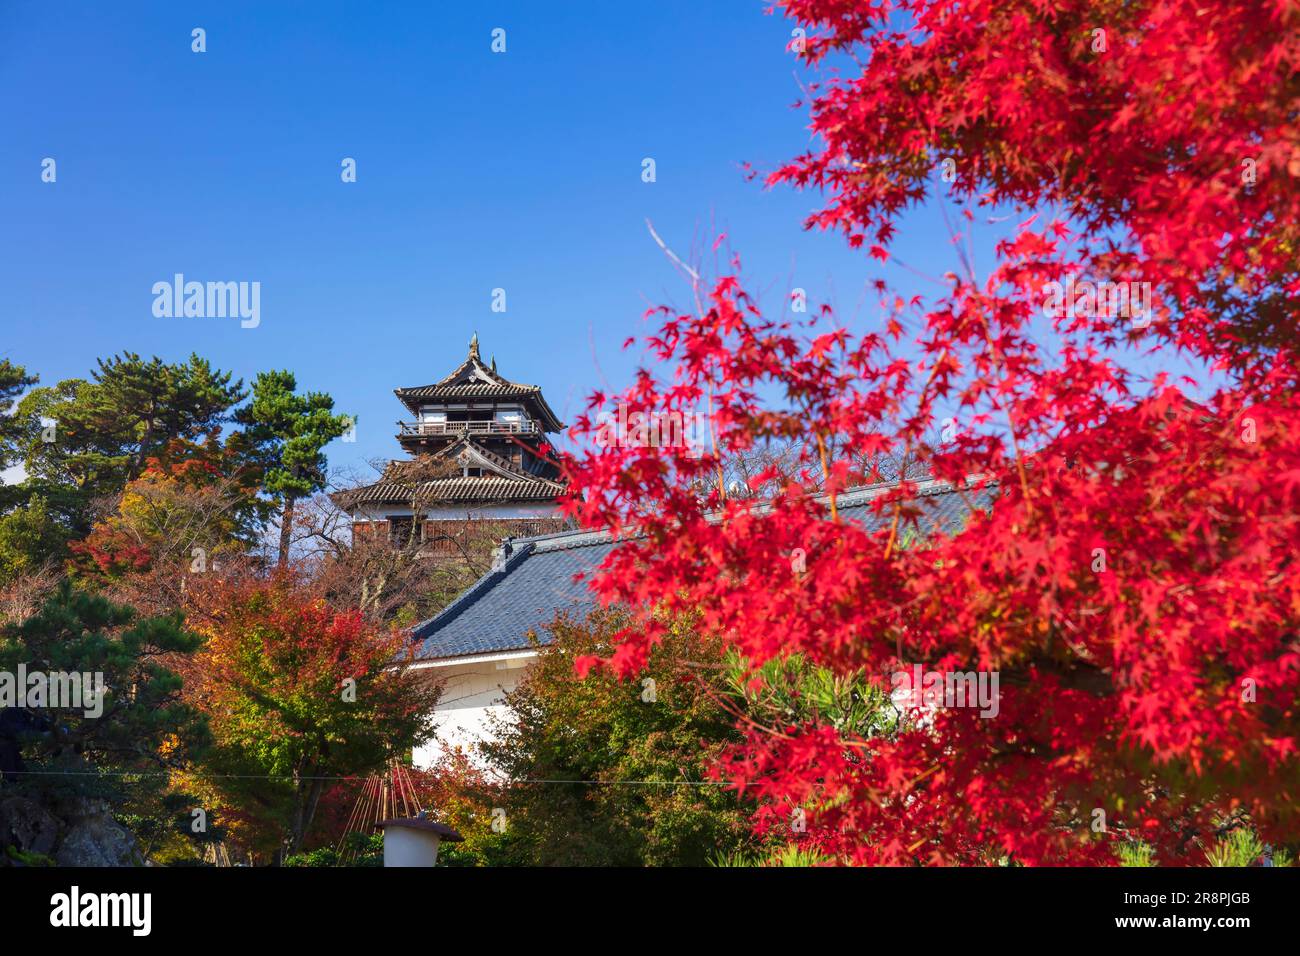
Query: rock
[
  {"x": 27, "y": 825},
  {"x": 79, "y": 832},
  {"x": 98, "y": 843},
  {"x": 93, "y": 837}
]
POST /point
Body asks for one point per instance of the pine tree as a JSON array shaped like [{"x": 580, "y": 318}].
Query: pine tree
[
  {"x": 13, "y": 380},
  {"x": 105, "y": 429},
  {"x": 288, "y": 433},
  {"x": 124, "y": 738}
]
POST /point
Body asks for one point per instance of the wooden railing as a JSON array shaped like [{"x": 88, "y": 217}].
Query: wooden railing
[{"x": 474, "y": 428}]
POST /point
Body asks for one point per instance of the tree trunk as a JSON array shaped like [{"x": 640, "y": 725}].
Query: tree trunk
[
  {"x": 313, "y": 799},
  {"x": 286, "y": 529},
  {"x": 306, "y": 796},
  {"x": 136, "y": 467}
]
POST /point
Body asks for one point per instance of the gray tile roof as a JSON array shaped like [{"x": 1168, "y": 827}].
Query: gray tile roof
[
  {"x": 468, "y": 390},
  {"x": 472, "y": 380},
  {"x": 487, "y": 488},
  {"x": 503, "y": 607}
]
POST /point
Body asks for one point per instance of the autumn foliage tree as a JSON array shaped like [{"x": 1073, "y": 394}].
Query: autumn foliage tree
[
  {"x": 194, "y": 507},
  {"x": 613, "y": 773},
  {"x": 298, "y": 694},
  {"x": 393, "y": 578},
  {"x": 1134, "y": 581}
]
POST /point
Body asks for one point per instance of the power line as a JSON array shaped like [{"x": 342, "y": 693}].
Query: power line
[{"x": 359, "y": 777}]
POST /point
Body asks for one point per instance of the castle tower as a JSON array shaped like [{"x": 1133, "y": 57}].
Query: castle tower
[{"x": 474, "y": 439}]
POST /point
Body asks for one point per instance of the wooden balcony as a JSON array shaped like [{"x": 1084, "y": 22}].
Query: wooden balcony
[{"x": 424, "y": 429}]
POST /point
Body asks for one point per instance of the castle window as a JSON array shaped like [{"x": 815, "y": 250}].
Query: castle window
[{"x": 401, "y": 529}]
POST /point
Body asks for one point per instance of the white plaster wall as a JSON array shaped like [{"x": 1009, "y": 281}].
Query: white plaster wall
[
  {"x": 518, "y": 509},
  {"x": 522, "y": 509},
  {"x": 471, "y": 694}
]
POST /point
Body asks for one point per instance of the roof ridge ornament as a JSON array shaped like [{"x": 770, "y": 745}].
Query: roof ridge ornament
[{"x": 473, "y": 347}]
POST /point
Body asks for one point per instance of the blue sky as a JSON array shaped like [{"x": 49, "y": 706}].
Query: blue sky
[{"x": 475, "y": 171}]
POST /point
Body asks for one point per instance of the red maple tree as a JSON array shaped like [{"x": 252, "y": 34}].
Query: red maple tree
[{"x": 1133, "y": 579}]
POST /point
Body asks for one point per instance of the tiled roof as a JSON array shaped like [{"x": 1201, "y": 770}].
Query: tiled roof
[
  {"x": 468, "y": 390},
  {"x": 500, "y": 610},
  {"x": 473, "y": 366},
  {"x": 473, "y": 381},
  {"x": 486, "y": 488},
  {"x": 463, "y": 447},
  {"x": 509, "y": 484},
  {"x": 507, "y": 604}
]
